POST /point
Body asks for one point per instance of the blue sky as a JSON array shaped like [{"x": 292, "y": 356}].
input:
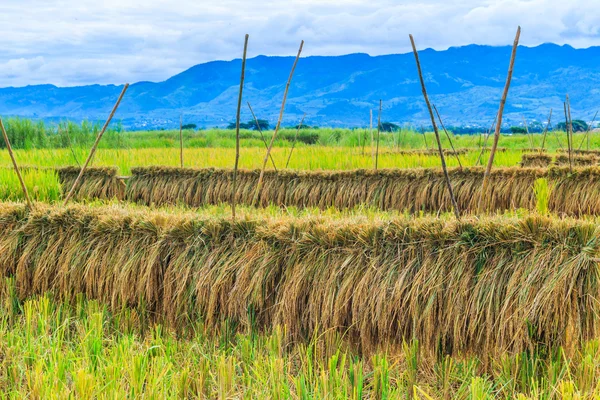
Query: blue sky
[{"x": 74, "y": 42}]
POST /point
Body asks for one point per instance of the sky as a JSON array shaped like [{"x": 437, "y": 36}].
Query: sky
[{"x": 77, "y": 42}]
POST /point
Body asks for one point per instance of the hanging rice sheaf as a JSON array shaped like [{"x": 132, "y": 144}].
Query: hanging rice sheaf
[{"x": 479, "y": 286}]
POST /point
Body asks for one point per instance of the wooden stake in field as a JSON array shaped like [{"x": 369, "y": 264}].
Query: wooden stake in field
[
  {"x": 266, "y": 159},
  {"x": 587, "y": 133},
  {"x": 15, "y": 165},
  {"x": 237, "y": 129},
  {"x": 447, "y": 135},
  {"x": 488, "y": 169},
  {"x": 378, "y": 135},
  {"x": 528, "y": 134},
  {"x": 70, "y": 144},
  {"x": 424, "y": 137},
  {"x": 372, "y": 138},
  {"x": 483, "y": 147},
  {"x": 435, "y": 130},
  {"x": 546, "y": 131},
  {"x": 95, "y": 146},
  {"x": 570, "y": 153},
  {"x": 180, "y": 141},
  {"x": 294, "y": 142},
  {"x": 261, "y": 134}
]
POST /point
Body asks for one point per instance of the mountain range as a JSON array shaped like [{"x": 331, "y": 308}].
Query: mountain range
[{"x": 465, "y": 83}]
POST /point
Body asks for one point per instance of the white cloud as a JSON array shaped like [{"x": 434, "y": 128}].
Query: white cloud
[{"x": 71, "y": 42}]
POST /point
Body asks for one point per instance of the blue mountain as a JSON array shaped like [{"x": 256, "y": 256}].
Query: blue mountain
[{"x": 465, "y": 83}]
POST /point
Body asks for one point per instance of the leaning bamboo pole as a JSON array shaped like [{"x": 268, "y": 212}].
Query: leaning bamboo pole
[
  {"x": 435, "y": 130},
  {"x": 567, "y": 126},
  {"x": 262, "y": 136},
  {"x": 372, "y": 138},
  {"x": 587, "y": 133},
  {"x": 447, "y": 135},
  {"x": 546, "y": 131},
  {"x": 180, "y": 141},
  {"x": 378, "y": 135},
  {"x": 285, "y": 93},
  {"x": 531, "y": 143},
  {"x": 70, "y": 144},
  {"x": 95, "y": 146},
  {"x": 15, "y": 165},
  {"x": 488, "y": 169},
  {"x": 237, "y": 128},
  {"x": 484, "y": 145},
  {"x": 294, "y": 142}
]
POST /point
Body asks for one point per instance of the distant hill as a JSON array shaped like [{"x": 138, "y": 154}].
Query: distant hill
[{"x": 464, "y": 82}]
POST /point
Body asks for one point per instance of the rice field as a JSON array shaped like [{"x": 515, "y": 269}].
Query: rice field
[{"x": 345, "y": 283}]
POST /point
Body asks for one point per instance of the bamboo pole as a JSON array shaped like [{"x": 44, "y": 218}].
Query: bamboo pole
[
  {"x": 237, "y": 128},
  {"x": 261, "y": 134},
  {"x": 528, "y": 134},
  {"x": 435, "y": 130},
  {"x": 568, "y": 137},
  {"x": 266, "y": 159},
  {"x": 488, "y": 169},
  {"x": 70, "y": 144},
  {"x": 424, "y": 137},
  {"x": 486, "y": 140},
  {"x": 180, "y": 141},
  {"x": 447, "y": 135},
  {"x": 95, "y": 146},
  {"x": 546, "y": 131},
  {"x": 378, "y": 135},
  {"x": 372, "y": 138},
  {"x": 587, "y": 133},
  {"x": 15, "y": 165},
  {"x": 294, "y": 143}
]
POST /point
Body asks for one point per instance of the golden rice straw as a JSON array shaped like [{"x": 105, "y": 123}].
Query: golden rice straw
[
  {"x": 448, "y": 136},
  {"x": 95, "y": 146},
  {"x": 15, "y": 165},
  {"x": 237, "y": 129},
  {"x": 546, "y": 131},
  {"x": 285, "y": 93},
  {"x": 261, "y": 134},
  {"x": 378, "y": 135},
  {"x": 488, "y": 169},
  {"x": 295, "y": 138},
  {"x": 435, "y": 130}
]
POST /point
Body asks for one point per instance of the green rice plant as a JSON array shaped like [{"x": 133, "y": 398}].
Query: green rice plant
[{"x": 542, "y": 191}]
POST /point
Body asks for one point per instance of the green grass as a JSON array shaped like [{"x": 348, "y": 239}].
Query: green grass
[{"x": 79, "y": 349}]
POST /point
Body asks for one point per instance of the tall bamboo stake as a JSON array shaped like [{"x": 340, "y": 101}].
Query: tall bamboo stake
[
  {"x": 435, "y": 130},
  {"x": 447, "y": 135},
  {"x": 424, "y": 137},
  {"x": 546, "y": 131},
  {"x": 15, "y": 165},
  {"x": 486, "y": 140},
  {"x": 70, "y": 144},
  {"x": 568, "y": 137},
  {"x": 527, "y": 131},
  {"x": 266, "y": 159},
  {"x": 237, "y": 129},
  {"x": 180, "y": 141},
  {"x": 378, "y": 135},
  {"x": 587, "y": 133},
  {"x": 294, "y": 143},
  {"x": 488, "y": 169},
  {"x": 95, "y": 146},
  {"x": 372, "y": 138},
  {"x": 261, "y": 134}
]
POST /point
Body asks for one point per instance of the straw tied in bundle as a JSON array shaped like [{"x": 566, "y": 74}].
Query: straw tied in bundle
[
  {"x": 409, "y": 190},
  {"x": 96, "y": 183},
  {"x": 482, "y": 286}
]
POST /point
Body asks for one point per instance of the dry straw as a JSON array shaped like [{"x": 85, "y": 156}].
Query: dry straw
[{"x": 482, "y": 286}]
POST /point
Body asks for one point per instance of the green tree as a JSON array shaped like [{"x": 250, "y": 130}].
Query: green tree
[
  {"x": 518, "y": 129},
  {"x": 189, "y": 126},
  {"x": 389, "y": 127},
  {"x": 578, "y": 126}
]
